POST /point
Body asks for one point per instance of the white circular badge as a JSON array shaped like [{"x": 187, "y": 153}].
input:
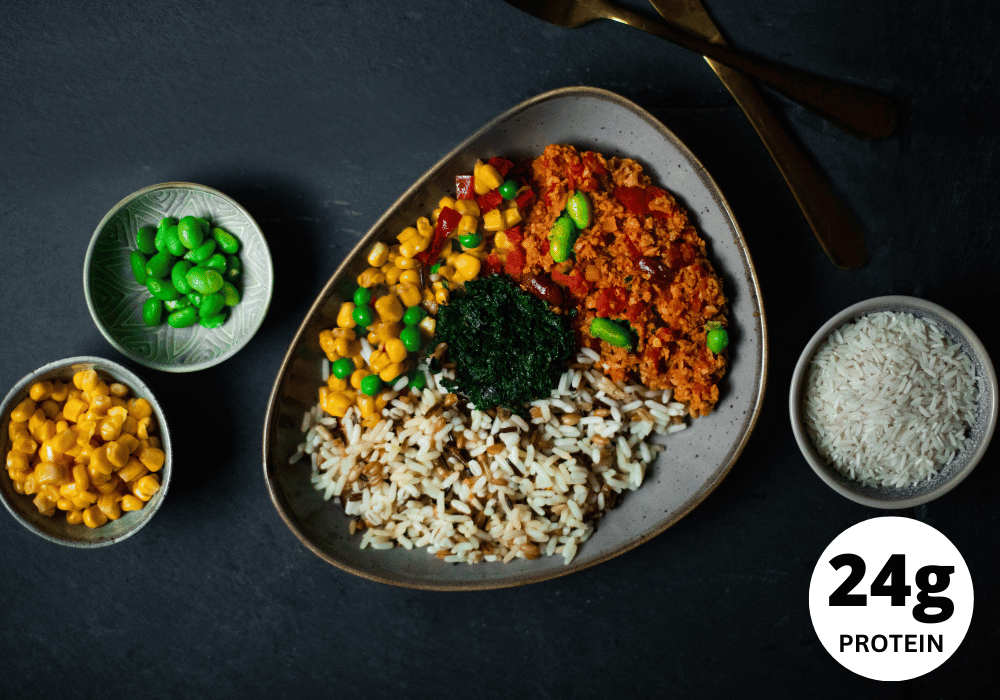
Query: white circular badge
[{"x": 891, "y": 598}]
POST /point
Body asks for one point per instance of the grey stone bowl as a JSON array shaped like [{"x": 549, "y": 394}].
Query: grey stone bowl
[
  {"x": 55, "y": 529},
  {"x": 115, "y": 299},
  {"x": 696, "y": 460},
  {"x": 979, "y": 435}
]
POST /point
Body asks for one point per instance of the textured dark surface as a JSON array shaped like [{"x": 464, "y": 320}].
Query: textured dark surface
[{"x": 316, "y": 116}]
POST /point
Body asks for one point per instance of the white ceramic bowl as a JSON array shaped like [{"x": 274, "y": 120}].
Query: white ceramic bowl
[
  {"x": 55, "y": 529},
  {"x": 979, "y": 434},
  {"x": 115, "y": 298}
]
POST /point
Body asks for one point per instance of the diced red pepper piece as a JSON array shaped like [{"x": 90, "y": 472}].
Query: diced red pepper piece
[
  {"x": 591, "y": 160},
  {"x": 634, "y": 199},
  {"x": 634, "y": 313},
  {"x": 489, "y": 201},
  {"x": 611, "y": 301},
  {"x": 652, "y": 194},
  {"x": 502, "y": 165},
  {"x": 514, "y": 234},
  {"x": 574, "y": 282},
  {"x": 447, "y": 221},
  {"x": 515, "y": 262},
  {"x": 524, "y": 198},
  {"x": 493, "y": 264},
  {"x": 464, "y": 187}
]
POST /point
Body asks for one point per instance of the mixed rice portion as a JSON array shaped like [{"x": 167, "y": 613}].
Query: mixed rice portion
[{"x": 474, "y": 486}]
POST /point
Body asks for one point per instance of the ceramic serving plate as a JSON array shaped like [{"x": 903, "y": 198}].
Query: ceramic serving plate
[{"x": 695, "y": 460}]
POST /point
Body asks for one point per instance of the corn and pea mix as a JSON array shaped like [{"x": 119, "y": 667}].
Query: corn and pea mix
[{"x": 87, "y": 448}]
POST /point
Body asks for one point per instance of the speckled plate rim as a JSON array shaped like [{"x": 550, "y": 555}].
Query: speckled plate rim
[
  {"x": 748, "y": 423},
  {"x": 138, "y": 387},
  {"x": 162, "y": 366},
  {"x": 852, "y": 313}
]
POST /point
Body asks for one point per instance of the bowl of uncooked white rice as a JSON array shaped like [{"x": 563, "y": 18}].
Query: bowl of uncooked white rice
[{"x": 893, "y": 401}]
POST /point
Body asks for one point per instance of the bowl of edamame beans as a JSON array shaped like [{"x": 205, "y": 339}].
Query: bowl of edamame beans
[{"x": 178, "y": 277}]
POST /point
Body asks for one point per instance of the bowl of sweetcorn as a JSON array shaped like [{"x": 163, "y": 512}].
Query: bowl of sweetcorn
[
  {"x": 115, "y": 297},
  {"x": 87, "y": 451}
]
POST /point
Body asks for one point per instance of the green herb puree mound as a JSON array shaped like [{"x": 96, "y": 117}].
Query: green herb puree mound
[{"x": 508, "y": 348}]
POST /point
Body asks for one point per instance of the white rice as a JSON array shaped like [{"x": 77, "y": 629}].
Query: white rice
[
  {"x": 513, "y": 490},
  {"x": 889, "y": 399}
]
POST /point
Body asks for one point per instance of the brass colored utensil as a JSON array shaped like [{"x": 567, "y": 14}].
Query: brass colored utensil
[
  {"x": 858, "y": 110},
  {"x": 836, "y": 228}
]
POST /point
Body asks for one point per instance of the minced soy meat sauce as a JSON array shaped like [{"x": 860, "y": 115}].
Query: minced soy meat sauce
[{"x": 641, "y": 260}]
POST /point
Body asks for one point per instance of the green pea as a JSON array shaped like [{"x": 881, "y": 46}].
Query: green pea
[
  {"x": 204, "y": 280},
  {"x": 234, "y": 268},
  {"x": 508, "y": 190},
  {"x": 226, "y": 241},
  {"x": 178, "y": 275},
  {"x": 183, "y": 317},
  {"x": 195, "y": 298},
  {"x": 190, "y": 232},
  {"x": 230, "y": 294},
  {"x": 176, "y": 304},
  {"x": 578, "y": 208},
  {"x": 213, "y": 321},
  {"x": 138, "y": 262},
  {"x": 411, "y": 338},
  {"x": 413, "y": 316},
  {"x": 145, "y": 240},
  {"x": 162, "y": 289},
  {"x": 470, "y": 240},
  {"x": 371, "y": 384},
  {"x": 717, "y": 340},
  {"x": 417, "y": 380},
  {"x": 152, "y": 312},
  {"x": 362, "y": 315},
  {"x": 159, "y": 265},
  {"x": 561, "y": 239},
  {"x": 342, "y": 368},
  {"x": 173, "y": 242},
  {"x": 610, "y": 332},
  {"x": 217, "y": 262},
  {"x": 202, "y": 253},
  {"x": 211, "y": 305},
  {"x": 362, "y": 296}
]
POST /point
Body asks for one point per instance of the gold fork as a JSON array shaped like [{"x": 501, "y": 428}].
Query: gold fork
[
  {"x": 835, "y": 226},
  {"x": 858, "y": 110}
]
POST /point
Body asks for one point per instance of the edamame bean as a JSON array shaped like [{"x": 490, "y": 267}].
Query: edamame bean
[
  {"x": 145, "y": 240},
  {"x": 159, "y": 265},
  {"x": 204, "y": 280},
  {"x": 561, "y": 239},
  {"x": 508, "y": 190},
  {"x": 152, "y": 312},
  {"x": 178, "y": 275},
  {"x": 173, "y": 243},
  {"x": 578, "y": 208},
  {"x": 470, "y": 240},
  {"x": 342, "y": 368},
  {"x": 417, "y": 381},
  {"x": 176, "y": 304},
  {"x": 362, "y": 315},
  {"x": 226, "y": 241},
  {"x": 183, "y": 318},
  {"x": 194, "y": 297},
  {"x": 371, "y": 384},
  {"x": 217, "y": 262},
  {"x": 610, "y": 332},
  {"x": 413, "y": 316},
  {"x": 411, "y": 338},
  {"x": 138, "y": 262},
  {"x": 230, "y": 294},
  {"x": 717, "y": 340},
  {"x": 159, "y": 240},
  {"x": 211, "y": 305},
  {"x": 162, "y": 289},
  {"x": 191, "y": 233},
  {"x": 234, "y": 268},
  {"x": 213, "y": 321},
  {"x": 202, "y": 253}
]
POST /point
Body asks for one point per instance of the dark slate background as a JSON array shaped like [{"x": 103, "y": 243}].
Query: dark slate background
[{"x": 316, "y": 116}]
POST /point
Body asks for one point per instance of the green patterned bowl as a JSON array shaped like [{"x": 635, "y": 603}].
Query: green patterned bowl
[{"x": 115, "y": 299}]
